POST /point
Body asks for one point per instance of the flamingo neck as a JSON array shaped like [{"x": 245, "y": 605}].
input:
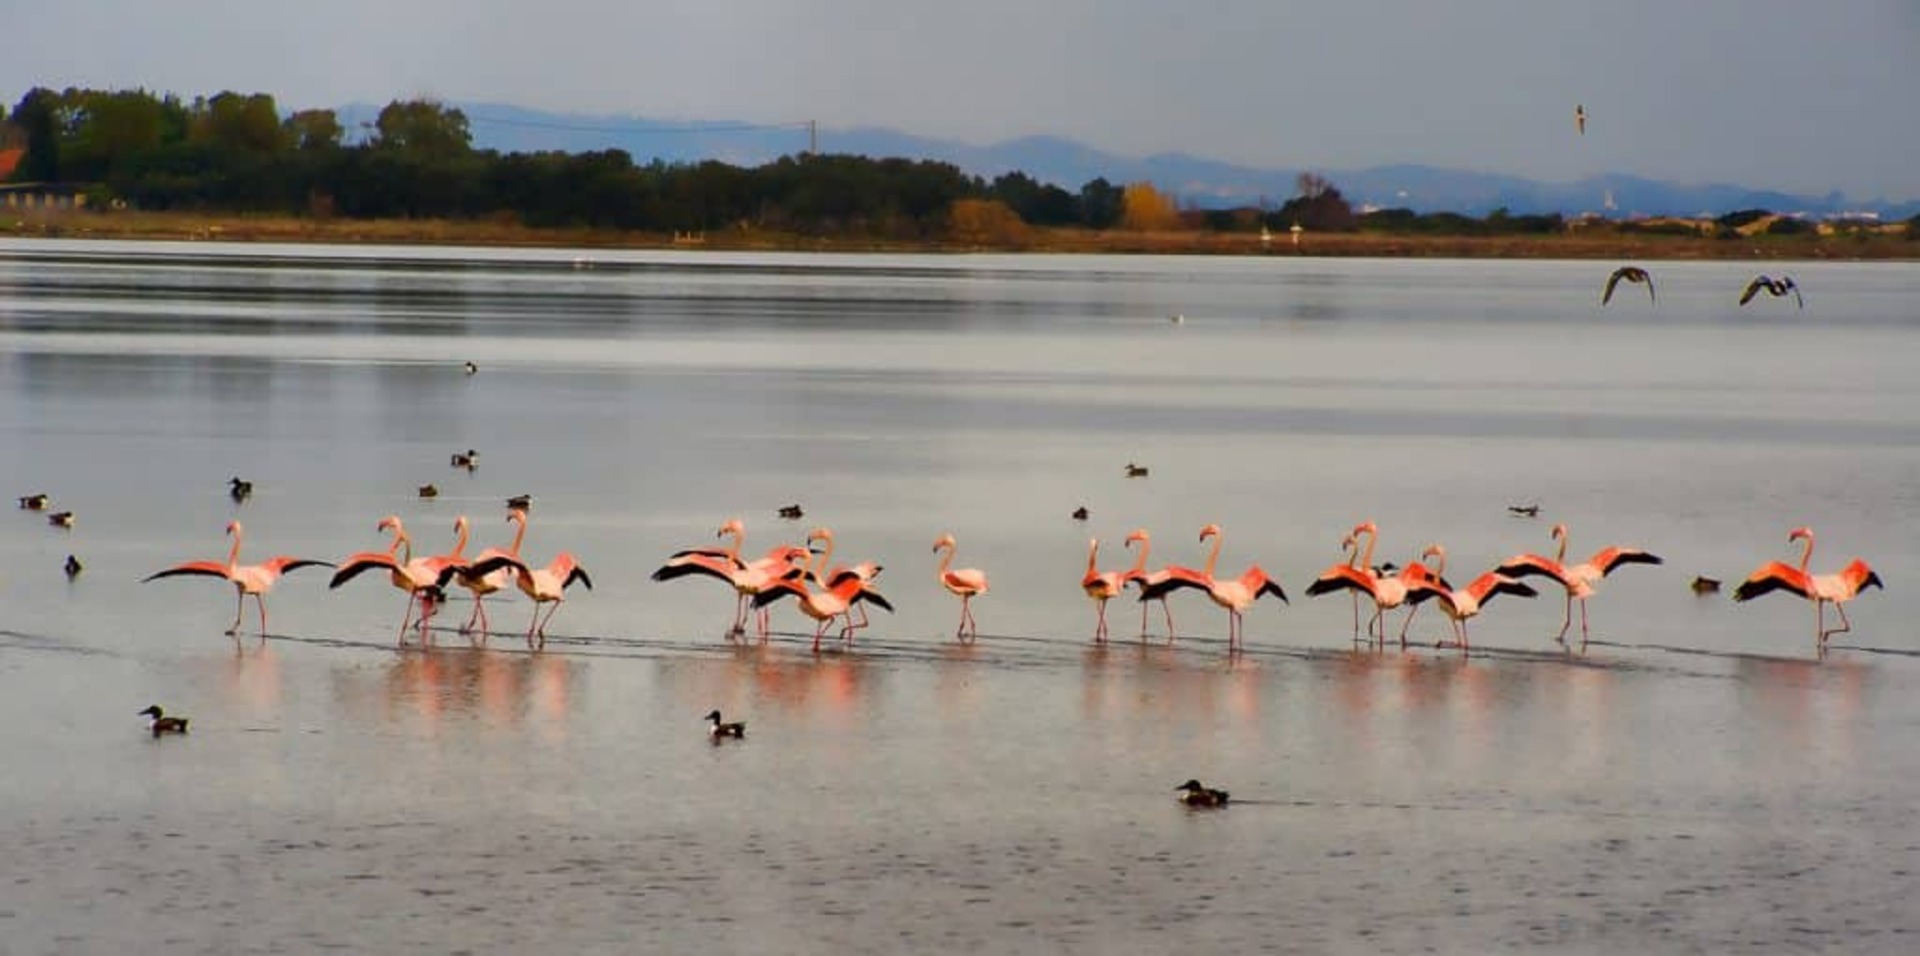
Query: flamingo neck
[
  {"x": 1140, "y": 561},
  {"x": 1806, "y": 553},
  {"x": 733, "y": 550},
  {"x": 1439, "y": 563},
  {"x": 1213, "y": 557},
  {"x": 460, "y": 543},
  {"x": 233, "y": 553},
  {"x": 946, "y": 558},
  {"x": 1093, "y": 554},
  {"x": 1366, "y": 560},
  {"x": 519, "y": 533},
  {"x": 820, "y": 561},
  {"x": 401, "y": 540}
]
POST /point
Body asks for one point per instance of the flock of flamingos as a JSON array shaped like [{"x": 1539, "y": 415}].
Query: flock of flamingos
[{"x": 826, "y": 592}]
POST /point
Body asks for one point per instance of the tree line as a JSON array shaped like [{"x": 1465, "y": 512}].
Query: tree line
[{"x": 237, "y": 152}]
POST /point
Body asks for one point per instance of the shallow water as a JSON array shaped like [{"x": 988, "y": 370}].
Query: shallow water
[{"x": 1696, "y": 780}]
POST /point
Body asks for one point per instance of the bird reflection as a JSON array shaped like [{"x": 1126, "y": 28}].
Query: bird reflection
[{"x": 467, "y": 682}]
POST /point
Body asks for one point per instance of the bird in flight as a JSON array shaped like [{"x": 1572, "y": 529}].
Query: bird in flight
[
  {"x": 1580, "y": 118},
  {"x": 1772, "y": 286},
  {"x": 1631, "y": 274}
]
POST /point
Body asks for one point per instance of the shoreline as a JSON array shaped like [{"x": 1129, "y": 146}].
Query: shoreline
[{"x": 1604, "y": 242}]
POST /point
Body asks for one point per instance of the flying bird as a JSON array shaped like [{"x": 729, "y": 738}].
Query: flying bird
[
  {"x": 1580, "y": 118},
  {"x": 36, "y": 502},
  {"x": 1633, "y": 274},
  {"x": 1774, "y": 287},
  {"x": 239, "y": 489}
]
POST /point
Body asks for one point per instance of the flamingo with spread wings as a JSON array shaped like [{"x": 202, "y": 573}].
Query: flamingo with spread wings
[
  {"x": 1821, "y": 589},
  {"x": 823, "y": 573},
  {"x": 1145, "y": 578},
  {"x": 747, "y": 579},
  {"x": 254, "y": 579},
  {"x": 1358, "y": 574},
  {"x": 825, "y": 604},
  {"x": 1579, "y": 580},
  {"x": 492, "y": 582},
  {"x": 416, "y": 576},
  {"x": 1463, "y": 604},
  {"x": 1234, "y": 594}
]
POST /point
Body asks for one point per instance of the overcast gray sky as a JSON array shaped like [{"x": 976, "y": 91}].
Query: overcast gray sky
[{"x": 1784, "y": 94}]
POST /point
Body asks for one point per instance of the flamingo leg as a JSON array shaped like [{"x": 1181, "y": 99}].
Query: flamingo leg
[
  {"x": 818, "y": 630},
  {"x": 1564, "y": 625},
  {"x": 1143, "y": 621},
  {"x": 1845, "y": 625},
  {"x": 863, "y": 617},
  {"x": 1100, "y": 632},
  {"x": 239, "y": 606},
  {"x": 1407, "y": 624},
  {"x": 1378, "y": 610},
  {"x": 261, "y": 600},
  {"x": 1583, "y": 625},
  {"x": 407, "y": 618},
  {"x": 1355, "y": 595}
]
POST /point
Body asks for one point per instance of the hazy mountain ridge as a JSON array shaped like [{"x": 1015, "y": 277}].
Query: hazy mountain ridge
[{"x": 1069, "y": 164}]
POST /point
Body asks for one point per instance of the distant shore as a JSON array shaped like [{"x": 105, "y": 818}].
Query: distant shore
[{"x": 1591, "y": 243}]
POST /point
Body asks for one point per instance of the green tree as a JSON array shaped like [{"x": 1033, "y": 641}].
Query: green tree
[
  {"x": 423, "y": 129},
  {"x": 1101, "y": 204},
  {"x": 235, "y": 123},
  {"x": 312, "y": 130},
  {"x": 37, "y": 115}
]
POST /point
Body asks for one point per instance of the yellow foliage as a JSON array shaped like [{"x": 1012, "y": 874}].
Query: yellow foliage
[
  {"x": 985, "y": 222},
  {"x": 1146, "y": 209}
]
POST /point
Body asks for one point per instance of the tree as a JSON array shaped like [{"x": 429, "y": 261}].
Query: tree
[
  {"x": 1319, "y": 207},
  {"x": 423, "y": 129},
  {"x": 1147, "y": 209},
  {"x": 981, "y": 222},
  {"x": 312, "y": 130},
  {"x": 238, "y": 124},
  {"x": 37, "y": 116},
  {"x": 1101, "y": 204}
]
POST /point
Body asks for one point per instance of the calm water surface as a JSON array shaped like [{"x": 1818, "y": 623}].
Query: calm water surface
[{"x": 1697, "y": 781}]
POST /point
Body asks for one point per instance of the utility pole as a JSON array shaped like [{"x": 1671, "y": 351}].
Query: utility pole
[{"x": 813, "y": 137}]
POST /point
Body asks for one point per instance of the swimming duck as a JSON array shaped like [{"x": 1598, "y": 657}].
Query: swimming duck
[
  {"x": 240, "y": 490},
  {"x": 472, "y": 368},
  {"x": 34, "y": 502},
  {"x": 1136, "y": 471},
  {"x": 1080, "y": 513},
  {"x": 520, "y": 502},
  {"x": 162, "y": 724},
  {"x": 470, "y": 460},
  {"x": 61, "y": 519},
  {"x": 1524, "y": 511},
  {"x": 73, "y": 566},
  {"x": 429, "y": 491},
  {"x": 717, "y": 729},
  {"x": 1705, "y": 585},
  {"x": 792, "y": 512},
  {"x": 1194, "y": 795}
]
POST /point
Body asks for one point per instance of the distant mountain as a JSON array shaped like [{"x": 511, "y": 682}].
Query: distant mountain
[{"x": 1070, "y": 164}]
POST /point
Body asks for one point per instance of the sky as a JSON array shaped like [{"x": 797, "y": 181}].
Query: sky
[{"x": 1777, "y": 94}]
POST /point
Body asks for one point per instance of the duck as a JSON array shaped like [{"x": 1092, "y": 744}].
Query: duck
[
  {"x": 1136, "y": 471},
  {"x": 1774, "y": 287},
  {"x": 520, "y": 503},
  {"x": 239, "y": 489},
  {"x": 61, "y": 519},
  {"x": 1524, "y": 511},
  {"x": 429, "y": 491},
  {"x": 1705, "y": 585},
  {"x": 73, "y": 566},
  {"x": 472, "y": 368},
  {"x": 792, "y": 512},
  {"x": 468, "y": 460},
  {"x": 36, "y": 502},
  {"x": 716, "y": 729},
  {"x": 1193, "y": 794},
  {"x": 1080, "y": 513},
  {"x": 162, "y": 724}
]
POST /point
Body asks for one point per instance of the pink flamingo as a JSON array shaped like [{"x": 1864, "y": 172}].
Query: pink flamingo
[
  {"x": 1101, "y": 586},
  {"x": 1821, "y": 589},
  {"x": 1388, "y": 590},
  {"x": 547, "y": 585},
  {"x": 825, "y": 604},
  {"x": 822, "y": 573},
  {"x": 1141, "y": 576},
  {"x": 410, "y": 574},
  {"x": 254, "y": 579},
  {"x": 725, "y": 564},
  {"x": 493, "y": 581},
  {"x": 965, "y": 582},
  {"x": 1236, "y": 594},
  {"x": 1464, "y": 603},
  {"x": 1579, "y": 580}
]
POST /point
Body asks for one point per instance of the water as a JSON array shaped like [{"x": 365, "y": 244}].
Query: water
[{"x": 1697, "y": 780}]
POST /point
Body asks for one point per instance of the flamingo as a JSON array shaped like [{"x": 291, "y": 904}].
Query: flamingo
[
  {"x": 1632, "y": 274},
  {"x": 825, "y": 604},
  {"x": 410, "y": 574},
  {"x": 493, "y": 581},
  {"x": 1388, "y": 589},
  {"x": 1236, "y": 594},
  {"x": 724, "y": 563},
  {"x": 1140, "y": 575},
  {"x": 547, "y": 585},
  {"x": 966, "y": 582},
  {"x": 1465, "y": 603},
  {"x": 254, "y": 579},
  {"x": 1101, "y": 586},
  {"x": 822, "y": 573},
  {"x": 1580, "y": 580},
  {"x": 1821, "y": 589}
]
